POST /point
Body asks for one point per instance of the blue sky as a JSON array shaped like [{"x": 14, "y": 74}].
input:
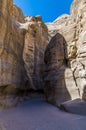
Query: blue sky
[{"x": 48, "y": 9}]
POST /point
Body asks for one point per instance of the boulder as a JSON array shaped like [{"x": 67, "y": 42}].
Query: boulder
[{"x": 76, "y": 106}]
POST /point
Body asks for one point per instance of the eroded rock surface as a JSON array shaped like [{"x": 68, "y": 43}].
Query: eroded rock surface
[
  {"x": 22, "y": 45},
  {"x": 73, "y": 28},
  {"x": 36, "y": 40},
  {"x": 59, "y": 81},
  {"x": 12, "y": 72}
]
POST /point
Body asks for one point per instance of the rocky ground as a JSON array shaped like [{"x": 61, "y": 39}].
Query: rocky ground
[{"x": 36, "y": 114}]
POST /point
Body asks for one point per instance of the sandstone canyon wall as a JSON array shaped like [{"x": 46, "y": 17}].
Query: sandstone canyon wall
[
  {"x": 59, "y": 82},
  {"x": 22, "y": 44},
  {"x": 73, "y": 28},
  {"x": 12, "y": 72},
  {"x": 36, "y": 39},
  {"x": 27, "y": 61}
]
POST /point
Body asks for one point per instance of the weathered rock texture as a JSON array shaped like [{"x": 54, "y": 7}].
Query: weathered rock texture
[
  {"x": 73, "y": 28},
  {"x": 36, "y": 39},
  {"x": 59, "y": 81},
  {"x": 22, "y": 44},
  {"x": 12, "y": 72}
]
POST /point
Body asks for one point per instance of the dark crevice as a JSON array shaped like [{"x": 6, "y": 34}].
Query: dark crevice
[{"x": 30, "y": 93}]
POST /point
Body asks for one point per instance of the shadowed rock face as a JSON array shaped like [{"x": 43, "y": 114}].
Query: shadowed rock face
[
  {"x": 36, "y": 39},
  {"x": 76, "y": 106},
  {"x": 12, "y": 72},
  {"x": 73, "y": 28},
  {"x": 59, "y": 82}
]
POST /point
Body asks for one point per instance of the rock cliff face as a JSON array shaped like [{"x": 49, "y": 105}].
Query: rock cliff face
[
  {"x": 59, "y": 81},
  {"x": 22, "y": 53},
  {"x": 72, "y": 28},
  {"x": 12, "y": 72},
  {"x": 22, "y": 44},
  {"x": 36, "y": 39}
]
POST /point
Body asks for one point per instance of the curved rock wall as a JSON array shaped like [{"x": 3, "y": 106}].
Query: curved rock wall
[
  {"x": 22, "y": 44},
  {"x": 73, "y": 28},
  {"x": 12, "y": 72},
  {"x": 59, "y": 81}
]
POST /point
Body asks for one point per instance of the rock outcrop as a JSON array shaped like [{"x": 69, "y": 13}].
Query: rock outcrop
[
  {"x": 73, "y": 28},
  {"x": 12, "y": 72},
  {"x": 76, "y": 106},
  {"x": 36, "y": 40},
  {"x": 22, "y": 44},
  {"x": 59, "y": 81}
]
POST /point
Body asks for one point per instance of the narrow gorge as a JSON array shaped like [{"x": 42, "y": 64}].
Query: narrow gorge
[{"x": 47, "y": 58}]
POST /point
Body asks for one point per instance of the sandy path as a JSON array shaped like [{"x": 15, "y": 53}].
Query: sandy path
[{"x": 36, "y": 114}]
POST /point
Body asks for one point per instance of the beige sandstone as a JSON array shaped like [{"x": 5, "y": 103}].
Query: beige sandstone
[
  {"x": 22, "y": 47},
  {"x": 36, "y": 39},
  {"x": 59, "y": 82},
  {"x": 12, "y": 73},
  {"x": 73, "y": 28}
]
